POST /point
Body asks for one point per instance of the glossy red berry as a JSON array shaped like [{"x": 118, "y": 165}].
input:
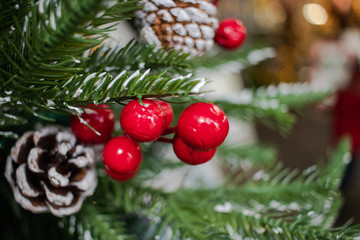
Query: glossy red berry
[
  {"x": 142, "y": 122},
  {"x": 120, "y": 177},
  {"x": 189, "y": 155},
  {"x": 122, "y": 156},
  {"x": 100, "y": 117},
  {"x": 230, "y": 34},
  {"x": 203, "y": 126},
  {"x": 169, "y": 113}
]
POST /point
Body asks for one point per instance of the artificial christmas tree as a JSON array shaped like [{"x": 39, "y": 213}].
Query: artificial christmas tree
[{"x": 49, "y": 70}]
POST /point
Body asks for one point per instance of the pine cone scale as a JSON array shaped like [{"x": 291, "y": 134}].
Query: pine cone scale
[
  {"x": 22, "y": 148},
  {"x": 36, "y": 205},
  {"x": 36, "y": 160},
  {"x": 83, "y": 181},
  {"x": 56, "y": 178},
  {"x": 64, "y": 211},
  {"x": 58, "y": 196},
  {"x": 44, "y": 139},
  {"x": 23, "y": 181}
]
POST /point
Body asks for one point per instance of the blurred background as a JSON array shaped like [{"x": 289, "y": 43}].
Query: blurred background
[{"x": 313, "y": 41}]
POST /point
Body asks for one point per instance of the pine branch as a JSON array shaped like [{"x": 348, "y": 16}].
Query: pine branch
[
  {"x": 9, "y": 10},
  {"x": 271, "y": 105},
  {"x": 327, "y": 177},
  {"x": 263, "y": 226},
  {"x": 102, "y": 87},
  {"x": 136, "y": 56},
  {"x": 199, "y": 215},
  {"x": 234, "y": 221},
  {"x": 248, "y": 55},
  {"x": 295, "y": 96},
  {"x": 273, "y": 116},
  {"x": 96, "y": 223},
  {"x": 123, "y": 10},
  {"x": 52, "y": 40},
  {"x": 319, "y": 186},
  {"x": 97, "y": 88},
  {"x": 7, "y": 119},
  {"x": 268, "y": 206},
  {"x": 247, "y": 157}
]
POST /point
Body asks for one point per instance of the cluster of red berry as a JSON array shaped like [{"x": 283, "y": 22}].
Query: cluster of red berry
[{"x": 202, "y": 127}]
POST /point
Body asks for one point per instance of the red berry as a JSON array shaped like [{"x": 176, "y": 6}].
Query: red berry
[
  {"x": 189, "y": 155},
  {"x": 215, "y": 2},
  {"x": 169, "y": 113},
  {"x": 142, "y": 122},
  {"x": 100, "y": 117},
  {"x": 122, "y": 156},
  {"x": 230, "y": 34},
  {"x": 203, "y": 126},
  {"x": 120, "y": 177}
]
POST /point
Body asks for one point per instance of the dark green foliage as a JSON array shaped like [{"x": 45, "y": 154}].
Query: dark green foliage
[{"x": 11, "y": 9}]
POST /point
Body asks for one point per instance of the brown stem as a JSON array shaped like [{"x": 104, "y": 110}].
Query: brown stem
[
  {"x": 169, "y": 131},
  {"x": 164, "y": 140}
]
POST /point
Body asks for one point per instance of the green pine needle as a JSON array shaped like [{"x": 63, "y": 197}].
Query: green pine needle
[
  {"x": 94, "y": 222},
  {"x": 136, "y": 56}
]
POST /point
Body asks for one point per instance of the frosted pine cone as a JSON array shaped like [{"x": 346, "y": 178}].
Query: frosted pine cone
[
  {"x": 180, "y": 24},
  {"x": 49, "y": 172}
]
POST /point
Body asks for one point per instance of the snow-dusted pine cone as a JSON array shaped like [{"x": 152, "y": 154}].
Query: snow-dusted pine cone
[
  {"x": 180, "y": 24},
  {"x": 49, "y": 172}
]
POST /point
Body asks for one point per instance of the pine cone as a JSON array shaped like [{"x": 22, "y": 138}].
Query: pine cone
[
  {"x": 180, "y": 24},
  {"x": 49, "y": 172}
]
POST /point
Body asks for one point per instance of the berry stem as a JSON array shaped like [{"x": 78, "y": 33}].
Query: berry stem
[
  {"x": 169, "y": 130},
  {"x": 165, "y": 140}
]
